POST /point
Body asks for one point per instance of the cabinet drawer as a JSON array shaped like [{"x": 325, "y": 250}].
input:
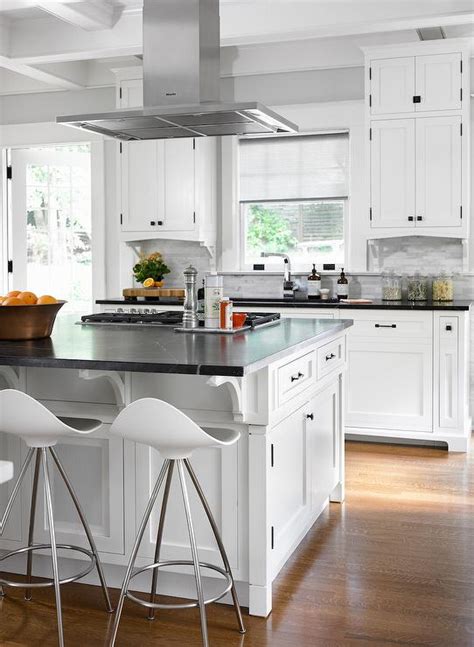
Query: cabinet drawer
[
  {"x": 392, "y": 325},
  {"x": 330, "y": 356},
  {"x": 295, "y": 376}
]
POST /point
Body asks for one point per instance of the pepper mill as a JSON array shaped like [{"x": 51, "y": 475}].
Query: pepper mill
[{"x": 190, "y": 318}]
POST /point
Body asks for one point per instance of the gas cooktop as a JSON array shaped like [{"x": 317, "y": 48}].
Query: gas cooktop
[{"x": 166, "y": 318}]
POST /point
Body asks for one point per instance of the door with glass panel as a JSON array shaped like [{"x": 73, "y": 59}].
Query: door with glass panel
[{"x": 50, "y": 229}]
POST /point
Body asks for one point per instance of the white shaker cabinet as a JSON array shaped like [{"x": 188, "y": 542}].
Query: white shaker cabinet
[
  {"x": 408, "y": 84},
  {"x": 418, "y": 125},
  {"x": 392, "y": 173},
  {"x": 168, "y": 187},
  {"x": 392, "y": 84},
  {"x": 438, "y": 172},
  {"x": 438, "y": 82}
]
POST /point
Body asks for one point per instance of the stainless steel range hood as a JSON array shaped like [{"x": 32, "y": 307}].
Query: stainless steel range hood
[{"x": 181, "y": 78}]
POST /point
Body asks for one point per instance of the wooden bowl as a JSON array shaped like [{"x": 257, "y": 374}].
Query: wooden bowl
[{"x": 28, "y": 322}]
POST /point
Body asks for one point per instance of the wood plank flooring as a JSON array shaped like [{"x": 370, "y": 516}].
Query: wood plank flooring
[{"x": 393, "y": 566}]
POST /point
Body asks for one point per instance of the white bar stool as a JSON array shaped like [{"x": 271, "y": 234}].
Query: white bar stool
[
  {"x": 160, "y": 425},
  {"x": 23, "y": 416}
]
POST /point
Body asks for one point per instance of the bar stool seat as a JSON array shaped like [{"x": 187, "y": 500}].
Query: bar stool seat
[
  {"x": 23, "y": 416},
  {"x": 162, "y": 426}
]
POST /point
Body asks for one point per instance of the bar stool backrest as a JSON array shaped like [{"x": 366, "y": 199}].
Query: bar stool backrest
[
  {"x": 160, "y": 425},
  {"x": 23, "y": 416}
]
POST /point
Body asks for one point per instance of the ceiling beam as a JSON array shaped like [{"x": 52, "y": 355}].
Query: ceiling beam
[
  {"x": 39, "y": 75},
  {"x": 86, "y": 15}
]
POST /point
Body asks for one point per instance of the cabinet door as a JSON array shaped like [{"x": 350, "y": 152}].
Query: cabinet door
[
  {"x": 448, "y": 370},
  {"x": 389, "y": 384},
  {"x": 392, "y": 169},
  {"x": 289, "y": 482},
  {"x": 438, "y": 82},
  {"x": 179, "y": 185},
  {"x": 324, "y": 431},
  {"x": 99, "y": 489},
  {"x": 131, "y": 93},
  {"x": 218, "y": 472},
  {"x": 438, "y": 172},
  {"x": 392, "y": 85},
  {"x": 142, "y": 185}
]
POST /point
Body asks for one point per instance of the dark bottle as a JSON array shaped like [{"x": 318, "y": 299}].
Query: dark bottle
[
  {"x": 342, "y": 287},
  {"x": 314, "y": 284},
  {"x": 200, "y": 301}
]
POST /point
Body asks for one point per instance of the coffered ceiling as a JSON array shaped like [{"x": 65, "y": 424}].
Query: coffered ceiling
[{"x": 74, "y": 44}]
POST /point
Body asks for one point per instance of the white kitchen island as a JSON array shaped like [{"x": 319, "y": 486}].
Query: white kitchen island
[{"x": 281, "y": 386}]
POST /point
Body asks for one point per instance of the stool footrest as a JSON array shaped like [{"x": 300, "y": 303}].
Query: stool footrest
[
  {"x": 186, "y": 605},
  {"x": 49, "y": 582}
]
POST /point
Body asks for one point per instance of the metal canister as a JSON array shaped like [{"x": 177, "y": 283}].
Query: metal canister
[{"x": 225, "y": 314}]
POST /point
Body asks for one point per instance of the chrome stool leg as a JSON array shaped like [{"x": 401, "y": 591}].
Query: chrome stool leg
[
  {"x": 223, "y": 553},
  {"x": 136, "y": 546},
  {"x": 13, "y": 496},
  {"x": 85, "y": 525},
  {"x": 194, "y": 551},
  {"x": 54, "y": 554},
  {"x": 159, "y": 538},
  {"x": 31, "y": 530}
]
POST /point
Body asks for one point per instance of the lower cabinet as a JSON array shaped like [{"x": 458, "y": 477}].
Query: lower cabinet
[
  {"x": 94, "y": 465},
  {"x": 323, "y": 425},
  {"x": 218, "y": 473},
  {"x": 304, "y": 468}
]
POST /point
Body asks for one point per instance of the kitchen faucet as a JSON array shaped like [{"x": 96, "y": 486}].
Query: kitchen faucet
[{"x": 289, "y": 287}]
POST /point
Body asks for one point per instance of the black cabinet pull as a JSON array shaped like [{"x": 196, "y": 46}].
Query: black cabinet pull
[
  {"x": 411, "y": 218},
  {"x": 417, "y": 98},
  {"x": 310, "y": 416},
  {"x": 419, "y": 218},
  {"x": 159, "y": 223},
  {"x": 294, "y": 378},
  {"x": 331, "y": 356},
  {"x": 449, "y": 327},
  {"x": 152, "y": 223},
  {"x": 385, "y": 325}
]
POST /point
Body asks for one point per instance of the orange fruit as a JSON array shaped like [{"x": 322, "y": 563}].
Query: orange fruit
[
  {"x": 29, "y": 298},
  {"x": 13, "y": 301},
  {"x": 46, "y": 298},
  {"x": 148, "y": 283},
  {"x": 13, "y": 293}
]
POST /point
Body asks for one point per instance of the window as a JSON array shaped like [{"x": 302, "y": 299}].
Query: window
[
  {"x": 52, "y": 242},
  {"x": 293, "y": 192}
]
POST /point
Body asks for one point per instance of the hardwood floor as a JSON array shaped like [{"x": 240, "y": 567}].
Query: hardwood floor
[{"x": 393, "y": 566}]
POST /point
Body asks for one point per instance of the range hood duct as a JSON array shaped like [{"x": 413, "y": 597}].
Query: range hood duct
[{"x": 181, "y": 82}]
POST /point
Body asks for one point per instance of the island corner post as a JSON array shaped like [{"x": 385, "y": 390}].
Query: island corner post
[{"x": 282, "y": 387}]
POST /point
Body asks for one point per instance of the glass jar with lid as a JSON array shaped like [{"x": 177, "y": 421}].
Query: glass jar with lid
[
  {"x": 443, "y": 287},
  {"x": 391, "y": 286},
  {"x": 417, "y": 287}
]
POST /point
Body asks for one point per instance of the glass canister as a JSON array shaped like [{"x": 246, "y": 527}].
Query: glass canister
[
  {"x": 417, "y": 287},
  {"x": 391, "y": 286},
  {"x": 443, "y": 287}
]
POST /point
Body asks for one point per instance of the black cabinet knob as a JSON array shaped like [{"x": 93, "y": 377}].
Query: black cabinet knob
[
  {"x": 159, "y": 223},
  {"x": 310, "y": 416},
  {"x": 411, "y": 218},
  {"x": 152, "y": 223},
  {"x": 449, "y": 327},
  {"x": 417, "y": 98},
  {"x": 419, "y": 218}
]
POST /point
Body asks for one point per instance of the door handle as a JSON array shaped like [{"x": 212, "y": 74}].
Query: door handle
[
  {"x": 385, "y": 325},
  {"x": 294, "y": 378},
  {"x": 310, "y": 416},
  {"x": 331, "y": 356}
]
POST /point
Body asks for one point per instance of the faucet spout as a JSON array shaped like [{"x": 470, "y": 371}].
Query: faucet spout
[{"x": 288, "y": 285}]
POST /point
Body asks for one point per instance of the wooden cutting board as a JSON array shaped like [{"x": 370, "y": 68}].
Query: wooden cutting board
[{"x": 153, "y": 293}]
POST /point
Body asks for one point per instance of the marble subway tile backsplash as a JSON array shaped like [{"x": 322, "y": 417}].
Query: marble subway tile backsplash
[{"x": 415, "y": 253}]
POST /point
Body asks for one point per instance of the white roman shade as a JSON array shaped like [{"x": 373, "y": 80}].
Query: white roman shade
[{"x": 305, "y": 167}]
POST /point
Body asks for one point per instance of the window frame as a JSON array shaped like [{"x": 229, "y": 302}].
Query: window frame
[{"x": 275, "y": 265}]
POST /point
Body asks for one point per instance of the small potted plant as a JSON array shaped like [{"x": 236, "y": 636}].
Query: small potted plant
[{"x": 150, "y": 270}]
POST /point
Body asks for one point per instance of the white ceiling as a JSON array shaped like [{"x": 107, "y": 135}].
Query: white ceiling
[{"x": 73, "y": 44}]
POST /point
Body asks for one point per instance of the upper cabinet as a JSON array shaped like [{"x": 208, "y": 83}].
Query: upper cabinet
[
  {"x": 418, "y": 118},
  {"x": 410, "y": 84},
  {"x": 167, "y": 188}
]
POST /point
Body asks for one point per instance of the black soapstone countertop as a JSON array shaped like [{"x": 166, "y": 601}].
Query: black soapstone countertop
[
  {"x": 377, "y": 304},
  {"x": 162, "y": 350}
]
